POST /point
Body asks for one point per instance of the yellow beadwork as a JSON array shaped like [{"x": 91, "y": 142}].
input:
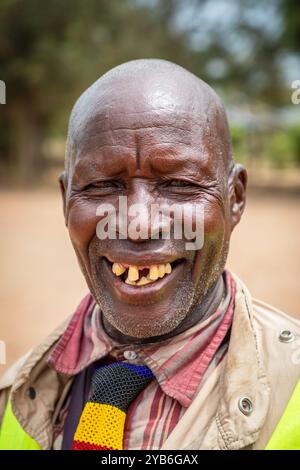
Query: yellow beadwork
[{"x": 109, "y": 434}]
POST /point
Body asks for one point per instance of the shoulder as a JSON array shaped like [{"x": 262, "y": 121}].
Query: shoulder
[
  {"x": 7, "y": 379},
  {"x": 277, "y": 334},
  {"x": 271, "y": 317},
  {"x": 9, "y": 376},
  {"x": 23, "y": 366},
  {"x": 266, "y": 316},
  {"x": 20, "y": 371},
  {"x": 278, "y": 346},
  {"x": 278, "y": 326},
  {"x": 277, "y": 337}
]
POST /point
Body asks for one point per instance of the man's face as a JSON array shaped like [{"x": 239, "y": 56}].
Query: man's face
[{"x": 151, "y": 154}]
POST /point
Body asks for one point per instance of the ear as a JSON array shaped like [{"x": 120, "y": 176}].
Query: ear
[
  {"x": 63, "y": 189},
  {"x": 237, "y": 193}
]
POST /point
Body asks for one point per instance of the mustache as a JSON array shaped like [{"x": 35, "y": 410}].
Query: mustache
[{"x": 171, "y": 248}]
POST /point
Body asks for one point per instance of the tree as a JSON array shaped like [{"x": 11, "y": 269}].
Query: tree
[{"x": 50, "y": 52}]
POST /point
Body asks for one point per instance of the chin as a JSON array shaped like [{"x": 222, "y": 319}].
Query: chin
[{"x": 144, "y": 321}]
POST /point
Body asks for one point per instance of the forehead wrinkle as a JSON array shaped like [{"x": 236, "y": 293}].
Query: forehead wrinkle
[
  {"x": 197, "y": 139},
  {"x": 97, "y": 164},
  {"x": 103, "y": 151},
  {"x": 123, "y": 120},
  {"x": 188, "y": 164},
  {"x": 137, "y": 139},
  {"x": 193, "y": 154},
  {"x": 103, "y": 108},
  {"x": 95, "y": 130}
]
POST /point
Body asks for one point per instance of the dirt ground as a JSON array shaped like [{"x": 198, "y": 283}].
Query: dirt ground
[{"x": 41, "y": 283}]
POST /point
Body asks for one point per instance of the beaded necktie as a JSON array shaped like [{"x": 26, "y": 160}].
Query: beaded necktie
[{"x": 114, "y": 387}]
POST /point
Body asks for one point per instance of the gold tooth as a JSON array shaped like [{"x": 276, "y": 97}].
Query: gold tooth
[
  {"x": 168, "y": 268},
  {"x": 133, "y": 273},
  {"x": 118, "y": 269},
  {"x": 161, "y": 270},
  {"x": 131, "y": 283},
  {"x": 153, "y": 272},
  {"x": 143, "y": 281}
]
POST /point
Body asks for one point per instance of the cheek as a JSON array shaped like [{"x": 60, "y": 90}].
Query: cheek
[
  {"x": 82, "y": 221},
  {"x": 214, "y": 224},
  {"x": 211, "y": 254}
]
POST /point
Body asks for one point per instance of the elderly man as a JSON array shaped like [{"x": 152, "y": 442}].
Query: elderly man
[{"x": 169, "y": 350}]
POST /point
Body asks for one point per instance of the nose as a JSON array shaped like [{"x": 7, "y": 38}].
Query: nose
[{"x": 138, "y": 218}]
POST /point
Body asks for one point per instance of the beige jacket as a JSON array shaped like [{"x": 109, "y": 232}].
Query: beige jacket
[{"x": 238, "y": 406}]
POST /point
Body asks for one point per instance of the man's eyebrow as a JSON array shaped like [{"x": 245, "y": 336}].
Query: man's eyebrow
[
  {"x": 85, "y": 169},
  {"x": 174, "y": 163}
]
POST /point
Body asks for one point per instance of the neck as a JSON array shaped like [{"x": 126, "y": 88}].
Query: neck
[{"x": 202, "y": 311}]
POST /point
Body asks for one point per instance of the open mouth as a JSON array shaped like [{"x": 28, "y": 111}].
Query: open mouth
[{"x": 142, "y": 275}]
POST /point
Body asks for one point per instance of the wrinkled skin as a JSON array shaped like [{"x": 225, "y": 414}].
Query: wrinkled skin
[{"x": 153, "y": 132}]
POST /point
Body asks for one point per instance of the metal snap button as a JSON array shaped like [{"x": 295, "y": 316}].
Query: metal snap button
[
  {"x": 31, "y": 393},
  {"x": 130, "y": 355},
  {"x": 245, "y": 406},
  {"x": 286, "y": 336}
]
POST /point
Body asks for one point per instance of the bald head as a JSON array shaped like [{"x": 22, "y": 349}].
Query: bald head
[{"x": 160, "y": 90}]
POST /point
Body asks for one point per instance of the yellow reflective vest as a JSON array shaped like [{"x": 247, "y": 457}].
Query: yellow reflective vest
[{"x": 285, "y": 437}]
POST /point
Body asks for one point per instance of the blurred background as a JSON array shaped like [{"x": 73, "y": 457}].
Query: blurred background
[{"x": 248, "y": 50}]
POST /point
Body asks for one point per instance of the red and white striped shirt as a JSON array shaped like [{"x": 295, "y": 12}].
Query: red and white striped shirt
[{"x": 180, "y": 364}]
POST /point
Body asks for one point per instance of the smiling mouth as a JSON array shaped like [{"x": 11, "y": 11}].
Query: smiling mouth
[{"x": 138, "y": 276}]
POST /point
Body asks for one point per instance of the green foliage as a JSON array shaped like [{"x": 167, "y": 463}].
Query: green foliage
[
  {"x": 280, "y": 150},
  {"x": 239, "y": 138},
  {"x": 294, "y": 137},
  {"x": 51, "y": 51},
  {"x": 281, "y": 147},
  {"x": 291, "y": 18}
]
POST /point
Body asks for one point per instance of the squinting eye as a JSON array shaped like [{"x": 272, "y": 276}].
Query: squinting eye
[
  {"x": 104, "y": 185},
  {"x": 178, "y": 184}
]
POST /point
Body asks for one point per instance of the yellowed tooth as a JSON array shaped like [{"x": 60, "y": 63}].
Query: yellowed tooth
[
  {"x": 168, "y": 268},
  {"x": 133, "y": 273},
  {"x": 161, "y": 270},
  {"x": 153, "y": 272},
  {"x": 143, "y": 281},
  {"x": 118, "y": 269},
  {"x": 128, "y": 281}
]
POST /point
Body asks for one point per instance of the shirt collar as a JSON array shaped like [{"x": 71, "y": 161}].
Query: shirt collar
[{"x": 178, "y": 363}]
